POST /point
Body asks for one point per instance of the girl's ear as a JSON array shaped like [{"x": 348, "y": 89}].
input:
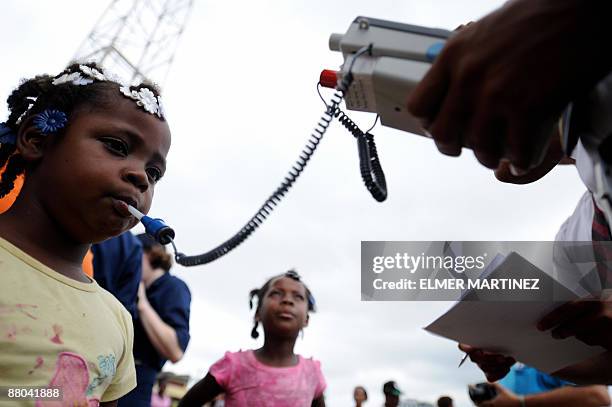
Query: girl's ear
[
  {"x": 30, "y": 141},
  {"x": 306, "y": 321}
]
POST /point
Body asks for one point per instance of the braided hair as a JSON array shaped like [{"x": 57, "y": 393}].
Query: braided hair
[
  {"x": 260, "y": 294},
  {"x": 37, "y": 94}
]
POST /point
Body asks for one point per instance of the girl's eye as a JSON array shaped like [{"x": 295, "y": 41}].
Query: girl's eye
[
  {"x": 154, "y": 174},
  {"x": 273, "y": 293},
  {"x": 299, "y": 297},
  {"x": 116, "y": 146}
]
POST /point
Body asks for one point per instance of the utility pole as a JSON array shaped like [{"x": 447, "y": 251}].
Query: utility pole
[{"x": 137, "y": 39}]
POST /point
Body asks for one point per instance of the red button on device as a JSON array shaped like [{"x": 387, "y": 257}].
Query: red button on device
[{"x": 328, "y": 78}]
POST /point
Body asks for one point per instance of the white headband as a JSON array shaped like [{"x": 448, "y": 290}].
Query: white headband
[{"x": 143, "y": 97}]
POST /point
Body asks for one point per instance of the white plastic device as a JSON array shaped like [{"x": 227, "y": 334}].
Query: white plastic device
[{"x": 400, "y": 56}]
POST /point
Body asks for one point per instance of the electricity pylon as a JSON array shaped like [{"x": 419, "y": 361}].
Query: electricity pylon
[{"x": 137, "y": 39}]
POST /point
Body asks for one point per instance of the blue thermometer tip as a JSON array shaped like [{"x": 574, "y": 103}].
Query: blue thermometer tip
[{"x": 155, "y": 227}]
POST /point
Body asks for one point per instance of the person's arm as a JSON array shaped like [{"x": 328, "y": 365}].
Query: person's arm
[
  {"x": 568, "y": 396},
  {"x": 493, "y": 365},
  {"x": 117, "y": 265},
  {"x": 588, "y": 396},
  {"x": 554, "y": 156},
  {"x": 588, "y": 319},
  {"x": 162, "y": 336},
  {"x": 128, "y": 279},
  {"x": 202, "y": 392},
  {"x": 593, "y": 371},
  {"x": 500, "y": 84},
  {"x": 318, "y": 402}
]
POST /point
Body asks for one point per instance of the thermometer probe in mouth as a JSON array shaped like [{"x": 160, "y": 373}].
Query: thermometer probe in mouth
[{"x": 161, "y": 232}]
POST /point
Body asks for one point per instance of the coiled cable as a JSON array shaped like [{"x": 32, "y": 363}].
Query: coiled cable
[
  {"x": 369, "y": 164},
  {"x": 370, "y": 170}
]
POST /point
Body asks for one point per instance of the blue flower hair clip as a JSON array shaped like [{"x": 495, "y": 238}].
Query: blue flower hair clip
[
  {"x": 7, "y": 136},
  {"x": 50, "y": 120},
  {"x": 312, "y": 302}
]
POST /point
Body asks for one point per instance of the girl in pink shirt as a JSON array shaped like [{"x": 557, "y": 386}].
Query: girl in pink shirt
[{"x": 271, "y": 376}]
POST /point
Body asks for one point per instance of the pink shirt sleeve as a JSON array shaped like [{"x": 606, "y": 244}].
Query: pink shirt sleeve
[
  {"x": 321, "y": 384},
  {"x": 222, "y": 370}
]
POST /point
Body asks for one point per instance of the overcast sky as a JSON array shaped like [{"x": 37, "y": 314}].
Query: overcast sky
[{"x": 241, "y": 103}]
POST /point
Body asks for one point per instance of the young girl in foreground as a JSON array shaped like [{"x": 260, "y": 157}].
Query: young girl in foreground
[
  {"x": 88, "y": 146},
  {"x": 271, "y": 376}
]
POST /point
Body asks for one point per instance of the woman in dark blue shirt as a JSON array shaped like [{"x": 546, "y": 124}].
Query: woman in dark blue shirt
[{"x": 161, "y": 325}]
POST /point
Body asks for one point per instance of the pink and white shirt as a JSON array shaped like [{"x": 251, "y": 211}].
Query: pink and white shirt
[
  {"x": 249, "y": 383},
  {"x": 160, "y": 401}
]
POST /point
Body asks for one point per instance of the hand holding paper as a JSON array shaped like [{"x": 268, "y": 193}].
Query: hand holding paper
[
  {"x": 494, "y": 366},
  {"x": 589, "y": 320}
]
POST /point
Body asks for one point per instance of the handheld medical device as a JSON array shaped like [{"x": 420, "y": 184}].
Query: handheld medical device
[{"x": 398, "y": 58}]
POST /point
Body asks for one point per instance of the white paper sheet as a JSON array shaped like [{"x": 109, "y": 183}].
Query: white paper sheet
[{"x": 509, "y": 326}]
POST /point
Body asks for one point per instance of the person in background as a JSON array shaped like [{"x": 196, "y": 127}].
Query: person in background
[
  {"x": 218, "y": 401},
  {"x": 527, "y": 386},
  {"x": 116, "y": 264},
  {"x": 159, "y": 398},
  {"x": 445, "y": 401},
  {"x": 161, "y": 327},
  {"x": 360, "y": 395},
  {"x": 272, "y": 375},
  {"x": 392, "y": 394}
]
